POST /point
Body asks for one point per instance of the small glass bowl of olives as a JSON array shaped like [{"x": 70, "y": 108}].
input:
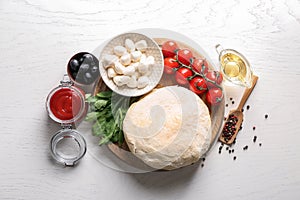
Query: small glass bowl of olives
[{"x": 83, "y": 68}]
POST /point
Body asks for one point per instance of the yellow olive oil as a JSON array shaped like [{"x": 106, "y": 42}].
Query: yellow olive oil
[{"x": 235, "y": 67}]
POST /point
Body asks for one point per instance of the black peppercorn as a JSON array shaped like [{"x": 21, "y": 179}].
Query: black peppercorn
[
  {"x": 234, "y": 141},
  {"x": 266, "y": 116},
  {"x": 254, "y": 139}
]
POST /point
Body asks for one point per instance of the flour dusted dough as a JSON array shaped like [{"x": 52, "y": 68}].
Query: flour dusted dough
[{"x": 169, "y": 128}]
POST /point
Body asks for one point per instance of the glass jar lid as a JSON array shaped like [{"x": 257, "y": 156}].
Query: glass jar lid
[{"x": 67, "y": 146}]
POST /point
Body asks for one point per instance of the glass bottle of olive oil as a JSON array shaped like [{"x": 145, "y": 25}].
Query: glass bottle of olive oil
[{"x": 234, "y": 66}]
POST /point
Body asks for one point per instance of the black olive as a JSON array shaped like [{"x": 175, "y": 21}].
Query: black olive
[
  {"x": 88, "y": 75},
  {"x": 74, "y": 65},
  {"x": 84, "y": 67},
  {"x": 95, "y": 69},
  {"x": 88, "y": 58}
]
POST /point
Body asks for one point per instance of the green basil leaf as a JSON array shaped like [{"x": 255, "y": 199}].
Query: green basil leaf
[
  {"x": 104, "y": 95},
  {"x": 92, "y": 116}
]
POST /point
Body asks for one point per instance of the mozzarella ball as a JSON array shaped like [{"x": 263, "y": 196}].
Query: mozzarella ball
[
  {"x": 129, "y": 70},
  {"x": 135, "y": 65},
  {"x": 121, "y": 80},
  {"x": 119, "y": 50},
  {"x": 142, "y": 82},
  {"x": 111, "y": 72},
  {"x": 143, "y": 68},
  {"x": 108, "y": 60},
  {"x": 150, "y": 61},
  {"x": 129, "y": 44},
  {"x": 132, "y": 83},
  {"x": 125, "y": 59},
  {"x": 143, "y": 58},
  {"x": 136, "y": 56},
  {"x": 141, "y": 45},
  {"x": 119, "y": 68}
]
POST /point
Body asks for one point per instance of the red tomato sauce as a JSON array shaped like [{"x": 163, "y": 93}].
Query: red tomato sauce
[{"x": 65, "y": 104}]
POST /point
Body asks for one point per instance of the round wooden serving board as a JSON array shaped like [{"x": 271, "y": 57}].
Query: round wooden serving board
[{"x": 216, "y": 112}]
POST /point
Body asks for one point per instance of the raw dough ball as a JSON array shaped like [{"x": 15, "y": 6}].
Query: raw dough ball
[{"x": 169, "y": 128}]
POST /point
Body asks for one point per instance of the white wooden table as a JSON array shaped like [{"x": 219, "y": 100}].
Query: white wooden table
[{"x": 38, "y": 38}]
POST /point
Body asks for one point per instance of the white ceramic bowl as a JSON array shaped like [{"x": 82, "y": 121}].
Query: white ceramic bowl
[{"x": 152, "y": 50}]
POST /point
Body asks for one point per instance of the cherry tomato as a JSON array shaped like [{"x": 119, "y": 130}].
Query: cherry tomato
[
  {"x": 168, "y": 48},
  {"x": 170, "y": 64},
  {"x": 214, "y": 96},
  {"x": 215, "y": 77},
  {"x": 182, "y": 74},
  {"x": 200, "y": 65},
  {"x": 198, "y": 85},
  {"x": 184, "y": 56}
]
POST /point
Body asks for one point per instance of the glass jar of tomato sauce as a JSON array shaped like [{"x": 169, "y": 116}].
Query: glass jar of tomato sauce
[{"x": 66, "y": 105}]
